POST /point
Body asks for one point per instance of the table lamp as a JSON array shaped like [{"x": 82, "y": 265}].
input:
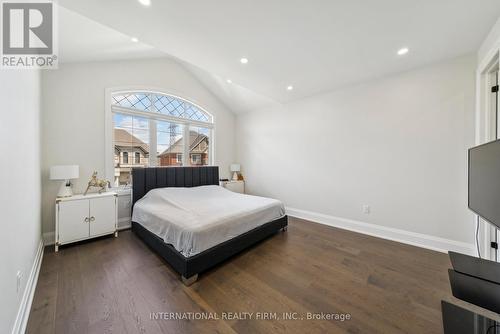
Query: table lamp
[
  {"x": 235, "y": 168},
  {"x": 64, "y": 174}
]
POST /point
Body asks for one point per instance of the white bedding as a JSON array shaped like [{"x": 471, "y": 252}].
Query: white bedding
[{"x": 196, "y": 219}]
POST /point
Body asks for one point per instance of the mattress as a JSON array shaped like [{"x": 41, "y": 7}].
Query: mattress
[{"x": 195, "y": 219}]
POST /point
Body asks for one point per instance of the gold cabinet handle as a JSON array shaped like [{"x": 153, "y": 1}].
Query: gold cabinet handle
[{"x": 92, "y": 218}]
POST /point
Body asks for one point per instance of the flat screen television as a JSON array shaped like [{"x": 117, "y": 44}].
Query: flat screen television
[{"x": 484, "y": 181}]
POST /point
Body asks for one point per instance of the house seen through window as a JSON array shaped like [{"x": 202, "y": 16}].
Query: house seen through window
[{"x": 154, "y": 129}]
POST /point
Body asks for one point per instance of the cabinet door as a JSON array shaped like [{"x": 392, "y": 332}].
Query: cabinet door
[
  {"x": 102, "y": 215},
  {"x": 73, "y": 220}
]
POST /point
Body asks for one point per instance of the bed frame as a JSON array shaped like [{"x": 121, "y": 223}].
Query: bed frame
[{"x": 145, "y": 179}]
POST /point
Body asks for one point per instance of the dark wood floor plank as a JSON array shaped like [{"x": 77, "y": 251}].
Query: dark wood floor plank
[
  {"x": 113, "y": 285},
  {"x": 132, "y": 307},
  {"x": 43, "y": 308},
  {"x": 300, "y": 275},
  {"x": 71, "y": 314},
  {"x": 99, "y": 299}
]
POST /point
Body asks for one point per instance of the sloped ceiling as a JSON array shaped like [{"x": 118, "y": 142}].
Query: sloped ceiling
[
  {"x": 237, "y": 98},
  {"x": 316, "y": 45},
  {"x": 82, "y": 39}
]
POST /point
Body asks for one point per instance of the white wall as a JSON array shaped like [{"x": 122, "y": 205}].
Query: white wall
[
  {"x": 20, "y": 180},
  {"x": 73, "y": 123},
  {"x": 398, "y": 144}
]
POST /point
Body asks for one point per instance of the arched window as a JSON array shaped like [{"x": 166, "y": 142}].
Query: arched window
[
  {"x": 162, "y": 130},
  {"x": 162, "y": 104}
]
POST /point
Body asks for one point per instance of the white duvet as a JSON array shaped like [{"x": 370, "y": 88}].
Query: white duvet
[{"x": 196, "y": 219}]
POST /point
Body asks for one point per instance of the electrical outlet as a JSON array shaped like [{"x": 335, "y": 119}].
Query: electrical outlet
[
  {"x": 366, "y": 209},
  {"x": 19, "y": 277}
]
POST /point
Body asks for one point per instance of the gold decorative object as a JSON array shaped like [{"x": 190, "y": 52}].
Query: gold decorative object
[{"x": 95, "y": 182}]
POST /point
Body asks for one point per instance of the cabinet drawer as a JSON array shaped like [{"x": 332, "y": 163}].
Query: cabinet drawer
[
  {"x": 237, "y": 187},
  {"x": 73, "y": 221},
  {"x": 102, "y": 215}
]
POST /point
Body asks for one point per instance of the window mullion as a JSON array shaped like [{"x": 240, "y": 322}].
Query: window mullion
[
  {"x": 210, "y": 147},
  {"x": 152, "y": 143},
  {"x": 152, "y": 136},
  {"x": 185, "y": 156}
]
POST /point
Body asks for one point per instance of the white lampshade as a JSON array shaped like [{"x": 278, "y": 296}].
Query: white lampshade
[
  {"x": 235, "y": 167},
  {"x": 64, "y": 172}
]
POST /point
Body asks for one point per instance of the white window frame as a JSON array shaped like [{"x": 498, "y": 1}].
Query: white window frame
[
  {"x": 485, "y": 131},
  {"x": 111, "y": 109}
]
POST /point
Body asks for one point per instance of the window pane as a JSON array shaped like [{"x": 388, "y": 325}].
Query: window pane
[
  {"x": 139, "y": 101},
  {"x": 168, "y": 105},
  {"x": 170, "y": 143},
  {"x": 122, "y": 121},
  {"x": 199, "y": 139},
  {"x": 163, "y": 104},
  {"x": 193, "y": 112},
  {"x": 140, "y": 123},
  {"x": 131, "y": 146}
]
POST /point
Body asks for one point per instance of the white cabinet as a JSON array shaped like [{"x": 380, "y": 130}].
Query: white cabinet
[
  {"x": 234, "y": 186},
  {"x": 124, "y": 205},
  {"x": 102, "y": 215},
  {"x": 83, "y": 217},
  {"x": 73, "y": 220}
]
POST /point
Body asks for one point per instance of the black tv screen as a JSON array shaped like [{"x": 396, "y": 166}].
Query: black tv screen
[{"x": 484, "y": 181}]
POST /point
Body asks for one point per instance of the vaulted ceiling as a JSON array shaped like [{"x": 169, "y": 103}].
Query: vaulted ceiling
[
  {"x": 313, "y": 45},
  {"x": 82, "y": 39}
]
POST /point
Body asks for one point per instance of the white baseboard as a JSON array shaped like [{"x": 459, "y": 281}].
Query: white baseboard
[
  {"x": 25, "y": 307},
  {"x": 407, "y": 237},
  {"x": 49, "y": 238}
]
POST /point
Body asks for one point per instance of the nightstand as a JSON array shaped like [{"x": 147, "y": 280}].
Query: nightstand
[
  {"x": 235, "y": 186},
  {"x": 84, "y": 217}
]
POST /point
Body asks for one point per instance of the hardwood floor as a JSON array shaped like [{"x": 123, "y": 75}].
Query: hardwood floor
[{"x": 112, "y": 286}]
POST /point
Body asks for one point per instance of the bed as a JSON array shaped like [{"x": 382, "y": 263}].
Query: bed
[{"x": 192, "y": 223}]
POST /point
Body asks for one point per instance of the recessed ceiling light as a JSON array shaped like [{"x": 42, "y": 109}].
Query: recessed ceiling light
[
  {"x": 145, "y": 2},
  {"x": 229, "y": 81},
  {"x": 289, "y": 87},
  {"x": 403, "y": 51},
  {"x": 244, "y": 60},
  {"x": 134, "y": 39}
]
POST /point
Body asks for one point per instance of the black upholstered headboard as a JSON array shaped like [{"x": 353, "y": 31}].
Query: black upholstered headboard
[{"x": 145, "y": 179}]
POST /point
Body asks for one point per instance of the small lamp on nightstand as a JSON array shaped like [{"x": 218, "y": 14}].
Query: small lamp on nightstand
[
  {"x": 64, "y": 173},
  {"x": 235, "y": 168}
]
